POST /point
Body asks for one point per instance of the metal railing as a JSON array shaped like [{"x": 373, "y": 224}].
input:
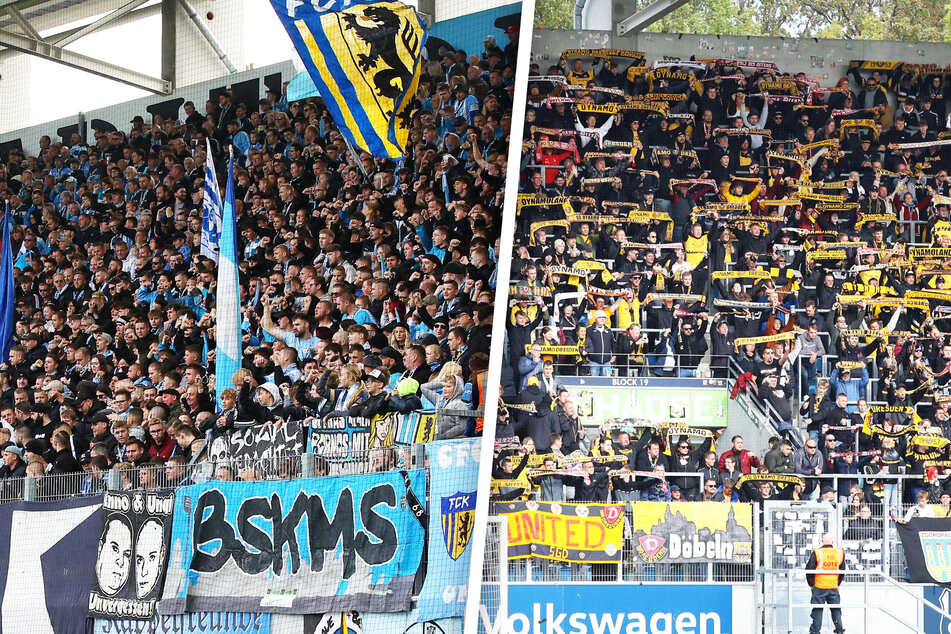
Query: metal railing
[
  {"x": 794, "y": 579},
  {"x": 50, "y": 487}
]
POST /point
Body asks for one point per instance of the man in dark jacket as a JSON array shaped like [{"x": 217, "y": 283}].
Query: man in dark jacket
[
  {"x": 376, "y": 400},
  {"x": 541, "y": 423},
  {"x": 722, "y": 351},
  {"x": 599, "y": 345},
  {"x": 690, "y": 346},
  {"x": 687, "y": 460},
  {"x": 520, "y": 329},
  {"x": 61, "y": 459},
  {"x": 780, "y": 459},
  {"x": 593, "y": 487},
  {"x": 13, "y": 465}
]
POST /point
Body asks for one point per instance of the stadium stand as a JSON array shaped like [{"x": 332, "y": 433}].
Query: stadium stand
[
  {"x": 366, "y": 289},
  {"x": 721, "y": 219}
]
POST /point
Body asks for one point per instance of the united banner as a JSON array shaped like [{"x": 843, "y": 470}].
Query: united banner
[
  {"x": 454, "y": 476},
  {"x": 578, "y": 533},
  {"x": 927, "y": 545},
  {"x": 190, "y": 623},
  {"x": 305, "y": 546},
  {"x": 364, "y": 58},
  {"x": 693, "y": 532},
  {"x": 47, "y": 558},
  {"x": 132, "y": 554}
]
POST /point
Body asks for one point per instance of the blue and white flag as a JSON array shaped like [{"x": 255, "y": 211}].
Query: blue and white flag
[
  {"x": 7, "y": 289},
  {"x": 228, "y": 296},
  {"x": 210, "y": 209},
  {"x": 454, "y": 477}
]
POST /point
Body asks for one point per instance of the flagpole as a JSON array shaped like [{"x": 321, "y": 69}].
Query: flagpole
[{"x": 356, "y": 157}]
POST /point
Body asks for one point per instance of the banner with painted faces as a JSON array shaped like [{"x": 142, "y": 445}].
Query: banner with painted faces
[{"x": 131, "y": 555}]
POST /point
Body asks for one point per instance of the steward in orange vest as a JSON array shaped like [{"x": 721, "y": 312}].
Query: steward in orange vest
[{"x": 828, "y": 561}]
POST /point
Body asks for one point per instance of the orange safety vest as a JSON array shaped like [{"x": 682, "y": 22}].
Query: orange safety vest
[{"x": 828, "y": 559}]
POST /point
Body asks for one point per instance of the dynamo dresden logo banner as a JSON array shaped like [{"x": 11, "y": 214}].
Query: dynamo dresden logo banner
[
  {"x": 693, "y": 532},
  {"x": 578, "y": 533}
]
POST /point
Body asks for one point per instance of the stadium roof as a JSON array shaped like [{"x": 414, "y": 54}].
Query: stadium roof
[{"x": 22, "y": 20}]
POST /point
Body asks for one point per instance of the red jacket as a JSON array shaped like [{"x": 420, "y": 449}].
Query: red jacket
[{"x": 746, "y": 462}]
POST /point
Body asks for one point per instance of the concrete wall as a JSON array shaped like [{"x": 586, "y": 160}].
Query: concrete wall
[
  {"x": 825, "y": 60},
  {"x": 121, "y": 114}
]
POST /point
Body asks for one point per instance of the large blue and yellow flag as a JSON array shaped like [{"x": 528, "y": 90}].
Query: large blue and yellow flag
[{"x": 364, "y": 58}]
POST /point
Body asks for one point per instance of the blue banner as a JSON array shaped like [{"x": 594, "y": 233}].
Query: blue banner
[
  {"x": 210, "y": 208},
  {"x": 577, "y": 609},
  {"x": 935, "y": 623},
  {"x": 297, "y": 547},
  {"x": 7, "y": 288},
  {"x": 454, "y": 478},
  {"x": 47, "y": 557},
  {"x": 191, "y": 623}
]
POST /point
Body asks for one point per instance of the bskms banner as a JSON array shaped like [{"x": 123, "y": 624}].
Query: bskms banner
[
  {"x": 696, "y": 532},
  {"x": 47, "y": 558},
  {"x": 132, "y": 554},
  {"x": 580, "y": 533},
  {"x": 610, "y": 608},
  {"x": 927, "y": 545},
  {"x": 304, "y": 546},
  {"x": 454, "y": 476},
  {"x": 189, "y": 623}
]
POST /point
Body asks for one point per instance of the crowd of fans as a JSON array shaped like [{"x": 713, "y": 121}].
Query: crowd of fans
[
  {"x": 366, "y": 285},
  {"x": 723, "y": 218}
]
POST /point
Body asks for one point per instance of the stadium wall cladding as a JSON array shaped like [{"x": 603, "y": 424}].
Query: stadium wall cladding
[{"x": 825, "y": 59}]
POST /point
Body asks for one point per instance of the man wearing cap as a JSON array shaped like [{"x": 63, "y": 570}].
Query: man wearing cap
[
  {"x": 13, "y": 464},
  {"x": 374, "y": 399}
]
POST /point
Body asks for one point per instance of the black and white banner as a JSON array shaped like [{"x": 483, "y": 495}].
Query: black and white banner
[
  {"x": 927, "y": 545},
  {"x": 131, "y": 554},
  {"x": 260, "y": 447}
]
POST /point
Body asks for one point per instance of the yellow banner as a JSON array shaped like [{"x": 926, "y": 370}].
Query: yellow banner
[
  {"x": 823, "y": 198},
  {"x": 927, "y": 440},
  {"x": 919, "y": 253},
  {"x": 847, "y": 124},
  {"x": 578, "y": 533},
  {"x": 598, "y": 109},
  {"x": 782, "y": 336},
  {"x": 876, "y": 218},
  {"x": 758, "y": 274},
  {"x": 555, "y": 349},
  {"x": 532, "y": 200},
  {"x": 693, "y": 532}
]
